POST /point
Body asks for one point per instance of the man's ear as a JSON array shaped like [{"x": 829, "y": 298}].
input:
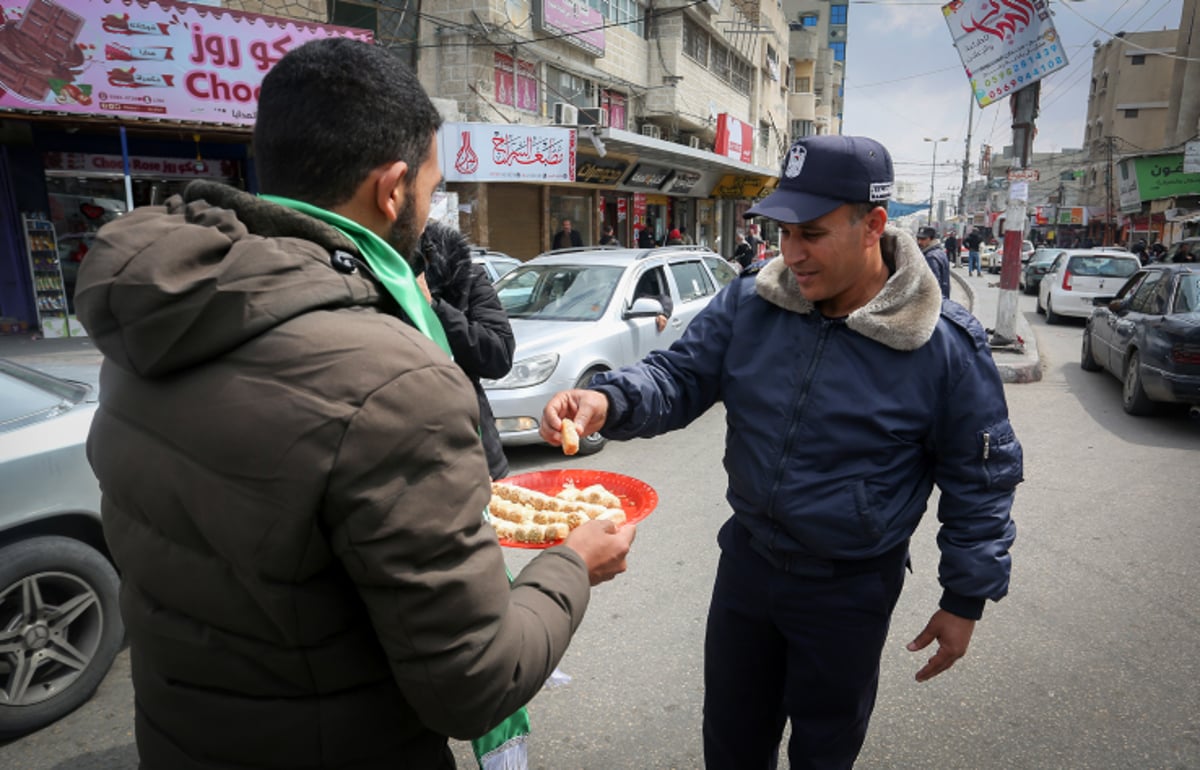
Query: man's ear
[
  {"x": 390, "y": 187},
  {"x": 874, "y": 222}
]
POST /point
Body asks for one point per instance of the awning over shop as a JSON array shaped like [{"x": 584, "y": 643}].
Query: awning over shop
[{"x": 688, "y": 171}]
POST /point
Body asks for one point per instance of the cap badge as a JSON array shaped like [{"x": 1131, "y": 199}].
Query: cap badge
[{"x": 795, "y": 162}]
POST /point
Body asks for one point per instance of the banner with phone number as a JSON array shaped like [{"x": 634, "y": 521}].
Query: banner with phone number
[{"x": 1004, "y": 46}]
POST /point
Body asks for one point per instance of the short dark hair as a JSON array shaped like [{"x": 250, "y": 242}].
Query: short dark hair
[
  {"x": 859, "y": 210},
  {"x": 333, "y": 110}
]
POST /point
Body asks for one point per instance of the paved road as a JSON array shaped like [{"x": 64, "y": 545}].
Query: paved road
[{"x": 1091, "y": 662}]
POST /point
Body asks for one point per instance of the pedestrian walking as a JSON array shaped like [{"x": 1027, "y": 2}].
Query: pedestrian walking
[
  {"x": 608, "y": 237},
  {"x": 973, "y": 243},
  {"x": 953, "y": 250},
  {"x": 850, "y": 389},
  {"x": 293, "y": 481},
  {"x": 743, "y": 252},
  {"x": 935, "y": 257}
]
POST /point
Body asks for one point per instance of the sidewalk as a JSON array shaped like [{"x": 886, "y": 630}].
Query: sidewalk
[
  {"x": 974, "y": 293},
  {"x": 977, "y": 294}
]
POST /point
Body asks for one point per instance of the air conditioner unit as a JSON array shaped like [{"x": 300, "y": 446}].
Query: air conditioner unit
[
  {"x": 594, "y": 116},
  {"x": 565, "y": 114},
  {"x": 694, "y": 142},
  {"x": 651, "y": 130}
]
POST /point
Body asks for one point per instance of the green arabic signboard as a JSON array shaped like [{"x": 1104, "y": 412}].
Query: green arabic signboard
[{"x": 1156, "y": 177}]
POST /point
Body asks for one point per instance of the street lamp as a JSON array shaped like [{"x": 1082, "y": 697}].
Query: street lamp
[{"x": 932, "y": 172}]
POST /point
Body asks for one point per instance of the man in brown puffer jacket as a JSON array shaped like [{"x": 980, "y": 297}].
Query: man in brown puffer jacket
[{"x": 292, "y": 473}]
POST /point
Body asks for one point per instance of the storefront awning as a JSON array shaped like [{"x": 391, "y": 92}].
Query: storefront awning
[{"x": 717, "y": 173}]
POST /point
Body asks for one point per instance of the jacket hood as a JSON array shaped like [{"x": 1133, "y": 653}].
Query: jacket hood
[
  {"x": 447, "y": 258},
  {"x": 167, "y": 287},
  {"x": 904, "y": 313}
]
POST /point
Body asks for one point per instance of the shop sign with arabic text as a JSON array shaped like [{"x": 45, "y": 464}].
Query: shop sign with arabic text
[
  {"x": 1154, "y": 177},
  {"x": 574, "y": 21},
  {"x": 149, "y": 59},
  {"x": 1004, "y": 45},
  {"x": 491, "y": 152}
]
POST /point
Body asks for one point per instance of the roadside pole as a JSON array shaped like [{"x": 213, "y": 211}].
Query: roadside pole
[{"x": 1024, "y": 104}]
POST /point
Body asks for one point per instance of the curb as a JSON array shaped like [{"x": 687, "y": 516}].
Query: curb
[{"x": 1029, "y": 366}]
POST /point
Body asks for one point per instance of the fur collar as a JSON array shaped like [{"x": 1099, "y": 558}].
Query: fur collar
[{"x": 904, "y": 313}]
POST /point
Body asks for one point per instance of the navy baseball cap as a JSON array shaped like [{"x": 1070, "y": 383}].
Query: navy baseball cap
[{"x": 823, "y": 172}]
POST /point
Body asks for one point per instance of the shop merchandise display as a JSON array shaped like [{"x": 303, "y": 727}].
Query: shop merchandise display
[{"x": 46, "y": 276}]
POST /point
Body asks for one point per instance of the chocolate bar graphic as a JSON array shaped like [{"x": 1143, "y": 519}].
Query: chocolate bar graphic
[
  {"x": 53, "y": 29},
  {"x": 38, "y": 48}
]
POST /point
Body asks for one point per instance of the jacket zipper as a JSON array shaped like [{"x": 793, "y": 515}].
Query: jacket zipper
[{"x": 797, "y": 409}]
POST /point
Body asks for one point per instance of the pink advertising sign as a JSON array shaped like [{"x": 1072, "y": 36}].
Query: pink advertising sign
[
  {"x": 575, "y": 21},
  {"x": 144, "y": 58},
  {"x": 488, "y": 152}
]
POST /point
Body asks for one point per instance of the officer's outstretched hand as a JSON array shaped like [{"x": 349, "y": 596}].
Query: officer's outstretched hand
[
  {"x": 588, "y": 409},
  {"x": 953, "y": 634}
]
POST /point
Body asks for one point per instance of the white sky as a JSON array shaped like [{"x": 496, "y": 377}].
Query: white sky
[{"x": 905, "y": 82}]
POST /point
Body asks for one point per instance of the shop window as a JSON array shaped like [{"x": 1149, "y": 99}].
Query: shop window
[{"x": 837, "y": 14}]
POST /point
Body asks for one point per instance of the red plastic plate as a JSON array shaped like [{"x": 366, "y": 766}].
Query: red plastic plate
[{"x": 638, "y": 499}]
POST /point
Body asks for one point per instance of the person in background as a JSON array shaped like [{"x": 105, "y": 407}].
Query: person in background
[
  {"x": 755, "y": 242},
  {"x": 935, "y": 256},
  {"x": 645, "y": 238},
  {"x": 743, "y": 253},
  {"x": 476, "y": 326},
  {"x": 686, "y": 236},
  {"x": 675, "y": 238},
  {"x": 953, "y": 252},
  {"x": 608, "y": 237},
  {"x": 566, "y": 238},
  {"x": 293, "y": 482},
  {"x": 973, "y": 242},
  {"x": 850, "y": 389}
]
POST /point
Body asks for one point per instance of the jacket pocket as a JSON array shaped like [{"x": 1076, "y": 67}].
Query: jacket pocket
[
  {"x": 1003, "y": 462},
  {"x": 868, "y": 514}
]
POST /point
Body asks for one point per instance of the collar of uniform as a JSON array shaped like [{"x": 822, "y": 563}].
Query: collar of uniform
[{"x": 904, "y": 313}]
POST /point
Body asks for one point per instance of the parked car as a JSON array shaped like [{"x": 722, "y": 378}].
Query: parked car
[
  {"x": 1037, "y": 266},
  {"x": 1027, "y": 250},
  {"x": 578, "y": 312},
  {"x": 1149, "y": 337},
  {"x": 991, "y": 258},
  {"x": 60, "y": 624},
  {"x": 1078, "y": 275},
  {"x": 496, "y": 263}
]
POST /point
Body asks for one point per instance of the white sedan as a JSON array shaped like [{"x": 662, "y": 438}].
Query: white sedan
[{"x": 1079, "y": 275}]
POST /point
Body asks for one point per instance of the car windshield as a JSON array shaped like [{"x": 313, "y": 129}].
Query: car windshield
[
  {"x": 558, "y": 292},
  {"x": 1103, "y": 267},
  {"x": 1043, "y": 256},
  {"x": 1188, "y": 300}
]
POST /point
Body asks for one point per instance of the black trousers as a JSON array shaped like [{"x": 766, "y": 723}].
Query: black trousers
[{"x": 789, "y": 642}]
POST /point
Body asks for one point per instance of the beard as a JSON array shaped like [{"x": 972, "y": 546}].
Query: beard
[{"x": 404, "y": 234}]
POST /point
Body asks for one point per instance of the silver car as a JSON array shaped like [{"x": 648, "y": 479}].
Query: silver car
[
  {"x": 578, "y": 312},
  {"x": 60, "y": 625},
  {"x": 495, "y": 263}
]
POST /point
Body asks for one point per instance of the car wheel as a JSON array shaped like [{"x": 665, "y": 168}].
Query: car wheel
[
  {"x": 60, "y": 628},
  {"x": 593, "y": 442},
  {"x": 1087, "y": 361},
  {"x": 1051, "y": 316},
  {"x": 1133, "y": 397}
]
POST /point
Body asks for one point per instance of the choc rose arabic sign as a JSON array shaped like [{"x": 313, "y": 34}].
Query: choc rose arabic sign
[
  {"x": 144, "y": 58},
  {"x": 490, "y": 152}
]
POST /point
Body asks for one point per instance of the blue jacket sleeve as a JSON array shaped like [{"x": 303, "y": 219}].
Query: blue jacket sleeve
[
  {"x": 978, "y": 466},
  {"x": 669, "y": 388}
]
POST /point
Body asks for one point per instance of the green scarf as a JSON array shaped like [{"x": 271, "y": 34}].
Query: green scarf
[
  {"x": 387, "y": 265},
  {"x": 504, "y": 747}
]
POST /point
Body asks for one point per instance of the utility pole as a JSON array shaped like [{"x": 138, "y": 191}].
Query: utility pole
[
  {"x": 1024, "y": 112},
  {"x": 932, "y": 175},
  {"x": 1108, "y": 196},
  {"x": 962, "y": 192}
]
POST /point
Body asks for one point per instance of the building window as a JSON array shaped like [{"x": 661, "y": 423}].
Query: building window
[
  {"x": 627, "y": 13},
  {"x": 802, "y": 128},
  {"x": 741, "y": 76},
  {"x": 720, "y": 62},
  {"x": 804, "y": 85},
  {"x": 809, "y": 20},
  {"x": 1131, "y": 113},
  {"x": 1137, "y": 59},
  {"x": 839, "y": 51},
  {"x": 563, "y": 86},
  {"x": 695, "y": 42},
  {"x": 837, "y": 14},
  {"x": 521, "y": 92}
]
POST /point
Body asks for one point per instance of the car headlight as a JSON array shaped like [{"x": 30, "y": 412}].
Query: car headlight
[{"x": 526, "y": 373}]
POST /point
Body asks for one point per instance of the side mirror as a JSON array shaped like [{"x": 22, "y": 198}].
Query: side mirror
[
  {"x": 645, "y": 307},
  {"x": 1118, "y": 305}
]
